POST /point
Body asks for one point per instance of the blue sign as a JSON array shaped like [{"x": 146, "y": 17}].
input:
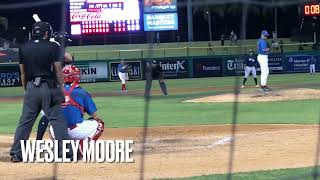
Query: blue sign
[
  {"x": 297, "y": 63},
  {"x": 161, "y": 22},
  {"x": 10, "y": 76}
]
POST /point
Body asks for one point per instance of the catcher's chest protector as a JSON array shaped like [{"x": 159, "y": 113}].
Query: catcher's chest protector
[{"x": 70, "y": 101}]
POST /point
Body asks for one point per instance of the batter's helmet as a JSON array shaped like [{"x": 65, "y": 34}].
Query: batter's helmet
[
  {"x": 264, "y": 33},
  {"x": 71, "y": 74},
  {"x": 62, "y": 38},
  {"x": 40, "y": 28}
]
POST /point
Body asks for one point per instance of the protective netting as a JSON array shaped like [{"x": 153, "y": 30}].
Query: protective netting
[{"x": 243, "y": 8}]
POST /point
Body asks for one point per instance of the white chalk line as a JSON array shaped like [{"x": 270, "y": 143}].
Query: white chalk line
[
  {"x": 222, "y": 141},
  {"x": 228, "y": 139},
  {"x": 223, "y": 136}
]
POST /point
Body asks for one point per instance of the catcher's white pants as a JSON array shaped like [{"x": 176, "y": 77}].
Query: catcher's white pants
[
  {"x": 248, "y": 70},
  {"x": 312, "y": 68},
  {"x": 87, "y": 128},
  {"x": 123, "y": 77},
  {"x": 263, "y": 61}
]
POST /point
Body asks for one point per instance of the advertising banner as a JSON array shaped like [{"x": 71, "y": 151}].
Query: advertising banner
[
  {"x": 93, "y": 71},
  {"x": 9, "y": 55},
  {"x": 104, "y": 16},
  {"x": 298, "y": 63},
  {"x": 160, "y": 21},
  {"x": 174, "y": 68},
  {"x": 159, "y": 6},
  {"x": 134, "y": 71},
  {"x": 234, "y": 65},
  {"x": 207, "y": 67},
  {"x": 10, "y": 76}
]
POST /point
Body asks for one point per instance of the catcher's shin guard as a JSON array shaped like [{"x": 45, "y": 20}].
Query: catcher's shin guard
[{"x": 95, "y": 136}]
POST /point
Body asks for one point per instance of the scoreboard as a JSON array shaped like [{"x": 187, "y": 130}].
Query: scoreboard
[
  {"x": 312, "y": 9},
  {"x": 121, "y": 16},
  {"x": 104, "y": 16}
]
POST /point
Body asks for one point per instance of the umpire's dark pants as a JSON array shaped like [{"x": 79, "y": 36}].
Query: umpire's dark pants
[
  {"x": 149, "y": 79},
  {"x": 35, "y": 99}
]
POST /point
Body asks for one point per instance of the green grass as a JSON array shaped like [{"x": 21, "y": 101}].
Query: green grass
[
  {"x": 276, "y": 79},
  {"x": 127, "y": 111},
  {"x": 281, "y": 174}
]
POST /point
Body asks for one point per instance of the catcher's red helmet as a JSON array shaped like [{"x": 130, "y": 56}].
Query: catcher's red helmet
[{"x": 71, "y": 74}]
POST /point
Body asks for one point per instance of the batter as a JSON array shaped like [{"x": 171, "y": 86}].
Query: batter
[{"x": 250, "y": 67}]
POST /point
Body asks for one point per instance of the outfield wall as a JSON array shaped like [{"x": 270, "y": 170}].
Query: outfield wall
[{"x": 174, "y": 68}]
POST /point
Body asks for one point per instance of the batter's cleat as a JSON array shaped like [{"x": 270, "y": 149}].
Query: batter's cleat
[
  {"x": 257, "y": 86},
  {"x": 16, "y": 159},
  {"x": 242, "y": 86}
]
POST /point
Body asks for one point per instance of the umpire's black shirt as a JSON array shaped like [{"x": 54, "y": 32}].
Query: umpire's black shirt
[
  {"x": 156, "y": 71},
  {"x": 38, "y": 57}
]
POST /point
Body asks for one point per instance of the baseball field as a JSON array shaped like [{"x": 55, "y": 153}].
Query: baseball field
[{"x": 189, "y": 132}]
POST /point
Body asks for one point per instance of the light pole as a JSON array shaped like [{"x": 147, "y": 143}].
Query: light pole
[
  {"x": 190, "y": 20},
  {"x": 209, "y": 24},
  {"x": 276, "y": 20}
]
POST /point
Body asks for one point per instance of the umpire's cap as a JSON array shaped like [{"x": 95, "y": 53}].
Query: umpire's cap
[{"x": 40, "y": 28}]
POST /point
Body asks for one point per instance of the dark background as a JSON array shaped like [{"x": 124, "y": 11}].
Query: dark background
[{"x": 289, "y": 21}]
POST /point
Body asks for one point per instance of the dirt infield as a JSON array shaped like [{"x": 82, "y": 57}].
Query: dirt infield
[
  {"x": 186, "y": 151},
  {"x": 257, "y": 96},
  {"x": 140, "y": 92}
]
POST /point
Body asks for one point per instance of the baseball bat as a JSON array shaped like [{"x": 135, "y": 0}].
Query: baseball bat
[{"x": 36, "y": 17}]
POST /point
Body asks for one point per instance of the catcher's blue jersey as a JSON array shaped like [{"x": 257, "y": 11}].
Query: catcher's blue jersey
[{"x": 73, "y": 114}]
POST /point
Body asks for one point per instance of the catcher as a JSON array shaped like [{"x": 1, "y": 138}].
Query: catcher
[{"x": 77, "y": 103}]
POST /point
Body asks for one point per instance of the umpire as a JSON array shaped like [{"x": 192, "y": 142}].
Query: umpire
[
  {"x": 153, "y": 72},
  {"x": 41, "y": 76},
  {"x": 62, "y": 38}
]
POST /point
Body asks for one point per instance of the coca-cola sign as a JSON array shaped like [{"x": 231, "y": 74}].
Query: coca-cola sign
[{"x": 83, "y": 16}]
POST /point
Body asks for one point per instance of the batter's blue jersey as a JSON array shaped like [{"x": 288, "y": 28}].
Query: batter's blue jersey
[
  {"x": 262, "y": 45},
  {"x": 251, "y": 61},
  {"x": 73, "y": 114}
]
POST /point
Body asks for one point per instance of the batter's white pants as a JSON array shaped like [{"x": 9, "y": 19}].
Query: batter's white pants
[
  {"x": 123, "y": 77},
  {"x": 84, "y": 130},
  {"x": 248, "y": 70},
  {"x": 312, "y": 68},
  {"x": 263, "y": 61}
]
